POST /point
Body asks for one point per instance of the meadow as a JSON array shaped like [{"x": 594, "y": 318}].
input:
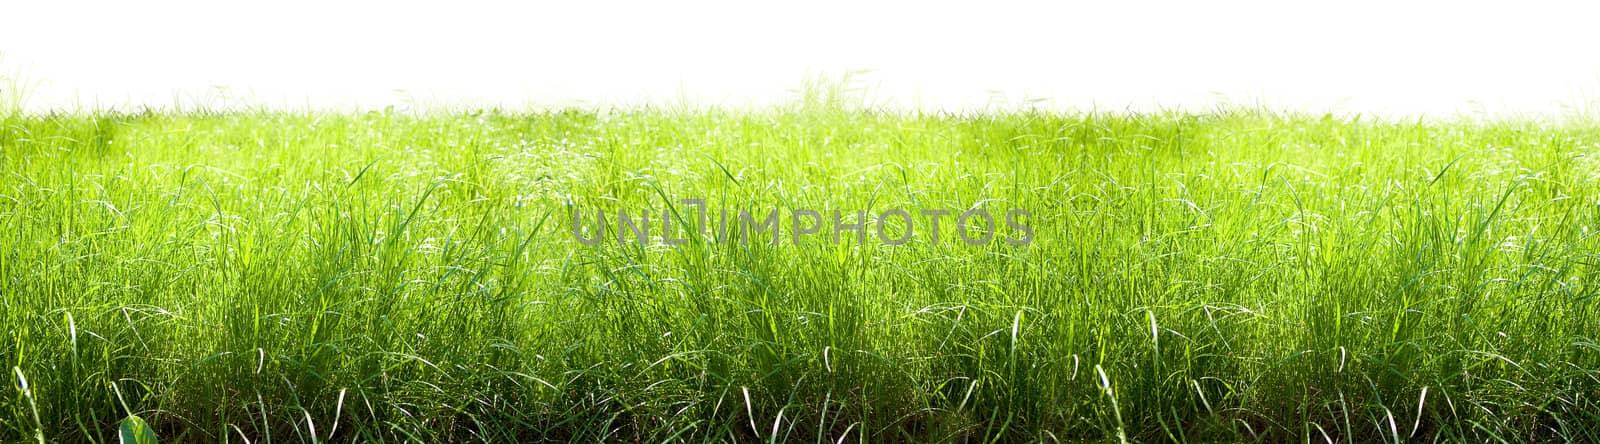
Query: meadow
[{"x": 1239, "y": 275}]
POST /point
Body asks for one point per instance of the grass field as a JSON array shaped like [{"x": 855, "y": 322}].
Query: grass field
[{"x": 1233, "y": 276}]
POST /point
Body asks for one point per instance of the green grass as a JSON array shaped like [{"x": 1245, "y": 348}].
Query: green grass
[{"x": 1232, "y": 276}]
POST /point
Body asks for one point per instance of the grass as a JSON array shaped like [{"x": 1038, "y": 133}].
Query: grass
[{"x": 256, "y": 276}]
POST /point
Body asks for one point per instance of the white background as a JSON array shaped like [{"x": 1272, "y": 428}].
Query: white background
[{"x": 1406, "y": 58}]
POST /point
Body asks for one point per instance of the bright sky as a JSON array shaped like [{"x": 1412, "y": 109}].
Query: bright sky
[{"x": 1363, "y": 56}]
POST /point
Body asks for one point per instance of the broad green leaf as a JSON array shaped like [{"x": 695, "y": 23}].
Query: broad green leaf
[{"x": 134, "y": 430}]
